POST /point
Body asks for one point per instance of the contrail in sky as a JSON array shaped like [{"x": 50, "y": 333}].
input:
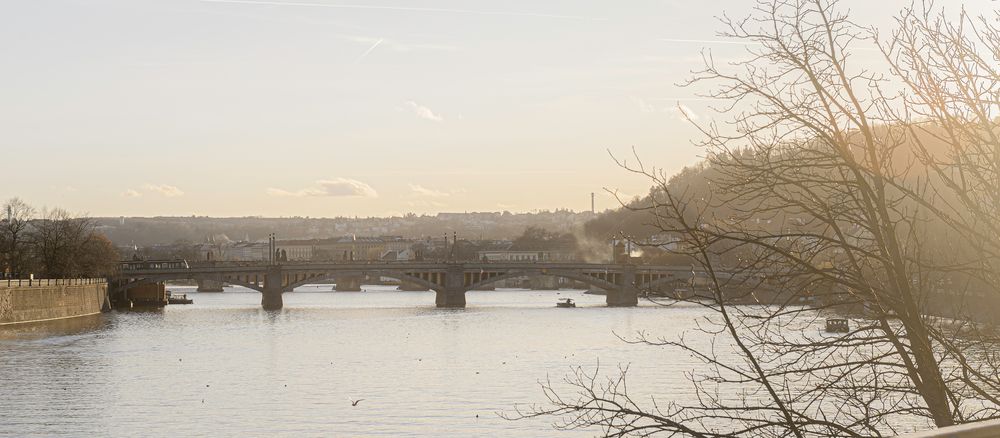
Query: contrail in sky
[
  {"x": 365, "y": 55},
  {"x": 401, "y": 8}
]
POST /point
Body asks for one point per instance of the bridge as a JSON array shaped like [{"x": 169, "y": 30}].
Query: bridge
[{"x": 449, "y": 280}]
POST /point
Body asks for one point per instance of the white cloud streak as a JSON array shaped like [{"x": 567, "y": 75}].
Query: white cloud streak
[
  {"x": 404, "y": 9},
  {"x": 397, "y": 45},
  {"x": 678, "y": 111},
  {"x": 131, "y": 194},
  {"x": 369, "y": 51},
  {"x": 337, "y": 187},
  {"x": 423, "y": 112},
  {"x": 424, "y": 191},
  {"x": 164, "y": 189},
  {"x": 683, "y": 112}
]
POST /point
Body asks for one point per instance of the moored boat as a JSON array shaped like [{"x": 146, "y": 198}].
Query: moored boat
[
  {"x": 178, "y": 299},
  {"x": 837, "y": 325}
]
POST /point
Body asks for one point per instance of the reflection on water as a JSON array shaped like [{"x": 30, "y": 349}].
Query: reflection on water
[
  {"x": 224, "y": 367},
  {"x": 59, "y": 327}
]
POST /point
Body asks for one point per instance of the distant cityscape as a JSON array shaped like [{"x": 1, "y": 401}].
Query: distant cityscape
[
  {"x": 142, "y": 232},
  {"x": 493, "y": 237}
]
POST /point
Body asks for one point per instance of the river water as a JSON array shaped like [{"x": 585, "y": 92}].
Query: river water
[{"x": 224, "y": 367}]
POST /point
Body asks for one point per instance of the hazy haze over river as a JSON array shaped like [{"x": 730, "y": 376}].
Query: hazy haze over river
[{"x": 224, "y": 367}]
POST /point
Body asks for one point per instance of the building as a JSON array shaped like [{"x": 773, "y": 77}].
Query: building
[
  {"x": 248, "y": 251},
  {"x": 350, "y": 248},
  {"x": 296, "y": 250},
  {"x": 346, "y": 248},
  {"x": 507, "y": 255}
]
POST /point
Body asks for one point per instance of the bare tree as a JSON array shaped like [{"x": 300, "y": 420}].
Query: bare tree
[
  {"x": 58, "y": 239},
  {"x": 16, "y": 217},
  {"x": 836, "y": 190},
  {"x": 98, "y": 257}
]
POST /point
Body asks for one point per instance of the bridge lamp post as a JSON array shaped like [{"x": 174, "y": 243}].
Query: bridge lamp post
[{"x": 271, "y": 246}]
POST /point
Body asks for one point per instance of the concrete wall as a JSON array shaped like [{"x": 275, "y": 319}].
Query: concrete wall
[{"x": 45, "y": 303}]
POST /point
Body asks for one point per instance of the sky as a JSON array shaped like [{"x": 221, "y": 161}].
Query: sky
[{"x": 327, "y": 108}]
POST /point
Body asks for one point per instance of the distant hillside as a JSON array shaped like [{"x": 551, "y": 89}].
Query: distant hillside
[{"x": 694, "y": 182}]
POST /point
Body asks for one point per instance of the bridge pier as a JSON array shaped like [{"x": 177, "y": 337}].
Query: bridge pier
[
  {"x": 626, "y": 294},
  {"x": 452, "y": 295},
  {"x": 349, "y": 283},
  {"x": 271, "y": 295},
  {"x": 205, "y": 285},
  {"x": 623, "y": 297},
  {"x": 450, "y": 298}
]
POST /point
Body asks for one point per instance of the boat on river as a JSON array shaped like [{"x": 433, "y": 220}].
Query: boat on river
[
  {"x": 565, "y": 302},
  {"x": 178, "y": 299},
  {"x": 837, "y": 325}
]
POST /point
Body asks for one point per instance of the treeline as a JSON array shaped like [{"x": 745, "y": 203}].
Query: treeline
[{"x": 51, "y": 243}]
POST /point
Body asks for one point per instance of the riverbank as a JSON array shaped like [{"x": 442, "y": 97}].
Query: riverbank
[{"x": 24, "y": 302}]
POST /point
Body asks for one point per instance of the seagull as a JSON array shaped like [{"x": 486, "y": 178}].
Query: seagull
[{"x": 355, "y": 402}]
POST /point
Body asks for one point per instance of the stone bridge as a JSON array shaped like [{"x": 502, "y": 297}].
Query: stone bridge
[{"x": 450, "y": 280}]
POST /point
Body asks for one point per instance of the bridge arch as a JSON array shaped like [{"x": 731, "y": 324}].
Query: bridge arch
[
  {"x": 161, "y": 278},
  {"x": 668, "y": 281},
  {"x": 252, "y": 286},
  {"x": 583, "y": 278},
  {"x": 399, "y": 275}
]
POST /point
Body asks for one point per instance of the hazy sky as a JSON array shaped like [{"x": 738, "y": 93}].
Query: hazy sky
[{"x": 326, "y": 108}]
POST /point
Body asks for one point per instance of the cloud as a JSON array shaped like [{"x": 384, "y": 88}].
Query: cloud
[
  {"x": 422, "y": 111},
  {"x": 424, "y": 191},
  {"x": 644, "y": 105},
  {"x": 164, "y": 189},
  {"x": 683, "y": 112},
  {"x": 337, "y": 187},
  {"x": 131, "y": 194},
  {"x": 677, "y": 111}
]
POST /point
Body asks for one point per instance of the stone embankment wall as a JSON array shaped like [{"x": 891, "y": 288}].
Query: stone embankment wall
[{"x": 47, "y": 300}]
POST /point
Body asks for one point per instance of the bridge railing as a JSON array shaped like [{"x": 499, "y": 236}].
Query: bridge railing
[
  {"x": 133, "y": 265},
  {"x": 45, "y": 282}
]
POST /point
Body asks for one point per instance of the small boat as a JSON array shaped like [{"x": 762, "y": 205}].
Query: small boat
[
  {"x": 837, "y": 325},
  {"x": 178, "y": 299},
  {"x": 565, "y": 302}
]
